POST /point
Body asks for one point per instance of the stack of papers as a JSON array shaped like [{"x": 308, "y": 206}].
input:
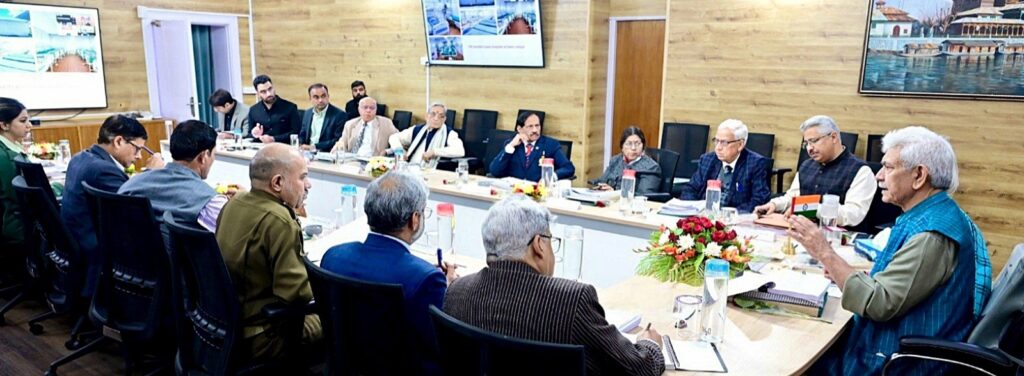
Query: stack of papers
[
  {"x": 680, "y": 208},
  {"x": 805, "y": 293},
  {"x": 591, "y": 195},
  {"x": 624, "y": 321}
]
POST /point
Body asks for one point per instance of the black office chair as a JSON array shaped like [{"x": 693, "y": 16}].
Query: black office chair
[
  {"x": 402, "y": 119},
  {"x": 449, "y": 118},
  {"x": 132, "y": 301},
  {"x": 207, "y": 310},
  {"x": 764, "y": 144},
  {"x": 62, "y": 266},
  {"x": 496, "y": 144},
  {"x": 540, "y": 114},
  {"x": 984, "y": 352},
  {"x": 566, "y": 148},
  {"x": 476, "y": 126},
  {"x": 382, "y": 110},
  {"x": 880, "y": 214},
  {"x": 365, "y": 326},
  {"x": 30, "y": 281},
  {"x": 690, "y": 141},
  {"x": 874, "y": 152},
  {"x": 468, "y": 350},
  {"x": 35, "y": 176},
  {"x": 667, "y": 160}
]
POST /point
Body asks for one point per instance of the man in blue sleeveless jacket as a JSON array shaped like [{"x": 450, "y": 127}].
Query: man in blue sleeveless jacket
[{"x": 933, "y": 277}]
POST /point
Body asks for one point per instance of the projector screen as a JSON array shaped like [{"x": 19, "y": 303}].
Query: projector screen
[
  {"x": 50, "y": 57},
  {"x": 500, "y": 33}
]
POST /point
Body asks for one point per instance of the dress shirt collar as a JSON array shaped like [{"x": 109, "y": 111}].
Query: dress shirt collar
[
  {"x": 400, "y": 241},
  {"x": 732, "y": 165}
]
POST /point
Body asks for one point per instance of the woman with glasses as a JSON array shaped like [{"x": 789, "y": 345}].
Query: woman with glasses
[{"x": 648, "y": 172}]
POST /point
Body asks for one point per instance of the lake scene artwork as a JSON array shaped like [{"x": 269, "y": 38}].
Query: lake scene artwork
[{"x": 945, "y": 48}]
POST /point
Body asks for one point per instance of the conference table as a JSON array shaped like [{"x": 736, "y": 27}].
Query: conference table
[{"x": 754, "y": 343}]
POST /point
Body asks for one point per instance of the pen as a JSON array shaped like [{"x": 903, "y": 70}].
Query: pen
[
  {"x": 439, "y": 261},
  {"x": 648, "y": 327}
]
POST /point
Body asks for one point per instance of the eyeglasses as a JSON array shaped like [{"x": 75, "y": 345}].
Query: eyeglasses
[
  {"x": 814, "y": 141},
  {"x": 556, "y": 242},
  {"x": 139, "y": 148},
  {"x": 440, "y": 115},
  {"x": 428, "y": 212},
  {"x": 718, "y": 142},
  {"x": 632, "y": 144}
]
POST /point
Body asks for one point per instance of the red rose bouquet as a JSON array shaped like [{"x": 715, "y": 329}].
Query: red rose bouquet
[{"x": 678, "y": 254}]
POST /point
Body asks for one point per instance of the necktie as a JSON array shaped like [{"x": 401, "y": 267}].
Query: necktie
[
  {"x": 359, "y": 140},
  {"x": 726, "y": 178},
  {"x": 529, "y": 149}
]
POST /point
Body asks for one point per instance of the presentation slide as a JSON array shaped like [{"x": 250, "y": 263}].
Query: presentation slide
[
  {"x": 50, "y": 57},
  {"x": 502, "y": 33}
]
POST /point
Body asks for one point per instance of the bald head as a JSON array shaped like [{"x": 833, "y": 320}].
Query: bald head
[
  {"x": 367, "y": 109},
  {"x": 272, "y": 160},
  {"x": 280, "y": 171}
]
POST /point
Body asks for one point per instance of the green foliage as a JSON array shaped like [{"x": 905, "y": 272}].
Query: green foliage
[{"x": 665, "y": 269}]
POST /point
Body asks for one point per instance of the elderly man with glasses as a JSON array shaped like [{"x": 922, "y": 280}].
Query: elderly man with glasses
[
  {"x": 516, "y": 295},
  {"x": 933, "y": 277},
  {"x": 396, "y": 210},
  {"x": 831, "y": 169},
  {"x": 743, "y": 173},
  {"x": 426, "y": 142}
]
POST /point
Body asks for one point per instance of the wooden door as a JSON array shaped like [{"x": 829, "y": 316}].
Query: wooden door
[{"x": 639, "y": 62}]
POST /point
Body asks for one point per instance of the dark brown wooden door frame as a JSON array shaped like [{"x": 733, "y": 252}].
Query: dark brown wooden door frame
[{"x": 610, "y": 138}]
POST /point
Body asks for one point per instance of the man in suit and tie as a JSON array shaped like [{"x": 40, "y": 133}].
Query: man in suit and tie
[
  {"x": 321, "y": 124},
  {"x": 523, "y": 152},
  {"x": 232, "y": 116},
  {"x": 516, "y": 295},
  {"x": 743, "y": 173},
  {"x": 120, "y": 143},
  {"x": 396, "y": 210},
  {"x": 367, "y": 135},
  {"x": 273, "y": 119}
]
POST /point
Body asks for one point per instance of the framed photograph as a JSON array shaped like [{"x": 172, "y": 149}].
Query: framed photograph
[{"x": 944, "y": 48}]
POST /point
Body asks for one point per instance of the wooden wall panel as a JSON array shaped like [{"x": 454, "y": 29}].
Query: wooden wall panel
[
  {"x": 381, "y": 43},
  {"x": 123, "y": 53},
  {"x": 597, "y": 91},
  {"x": 631, "y": 8},
  {"x": 773, "y": 64}
]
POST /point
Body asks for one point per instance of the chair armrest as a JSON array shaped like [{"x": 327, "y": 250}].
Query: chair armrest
[
  {"x": 659, "y": 197},
  {"x": 988, "y": 359},
  {"x": 779, "y": 174}
]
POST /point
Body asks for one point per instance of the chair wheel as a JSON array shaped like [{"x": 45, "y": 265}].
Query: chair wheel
[
  {"x": 50, "y": 373},
  {"x": 72, "y": 344},
  {"x": 35, "y": 329}
]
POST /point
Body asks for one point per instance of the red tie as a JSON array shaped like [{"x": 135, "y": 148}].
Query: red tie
[{"x": 529, "y": 148}]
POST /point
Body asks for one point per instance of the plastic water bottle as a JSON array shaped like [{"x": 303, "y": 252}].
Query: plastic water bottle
[
  {"x": 627, "y": 189},
  {"x": 400, "y": 162},
  {"x": 463, "y": 172},
  {"x": 446, "y": 227},
  {"x": 64, "y": 151},
  {"x": 713, "y": 198},
  {"x": 572, "y": 255},
  {"x": 716, "y": 291},
  {"x": 548, "y": 178},
  {"x": 347, "y": 212},
  {"x": 828, "y": 214}
]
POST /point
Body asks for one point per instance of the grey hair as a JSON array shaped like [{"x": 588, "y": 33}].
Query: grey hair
[
  {"x": 511, "y": 224},
  {"x": 919, "y": 146},
  {"x": 826, "y": 124},
  {"x": 739, "y": 130},
  {"x": 437, "y": 104},
  {"x": 368, "y": 99},
  {"x": 392, "y": 199}
]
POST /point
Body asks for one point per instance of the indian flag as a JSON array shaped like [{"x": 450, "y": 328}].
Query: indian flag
[{"x": 806, "y": 206}]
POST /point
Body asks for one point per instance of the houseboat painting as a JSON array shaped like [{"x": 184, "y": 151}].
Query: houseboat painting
[{"x": 972, "y": 48}]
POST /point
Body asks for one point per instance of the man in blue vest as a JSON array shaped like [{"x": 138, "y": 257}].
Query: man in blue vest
[
  {"x": 830, "y": 170},
  {"x": 933, "y": 277},
  {"x": 425, "y": 142},
  {"x": 523, "y": 152},
  {"x": 179, "y": 187}
]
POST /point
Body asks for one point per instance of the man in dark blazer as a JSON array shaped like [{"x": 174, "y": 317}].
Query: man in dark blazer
[
  {"x": 273, "y": 119},
  {"x": 395, "y": 210},
  {"x": 120, "y": 142},
  {"x": 743, "y": 173},
  {"x": 321, "y": 124},
  {"x": 516, "y": 295},
  {"x": 523, "y": 152}
]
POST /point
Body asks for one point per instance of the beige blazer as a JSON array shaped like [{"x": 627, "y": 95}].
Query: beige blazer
[{"x": 350, "y": 134}]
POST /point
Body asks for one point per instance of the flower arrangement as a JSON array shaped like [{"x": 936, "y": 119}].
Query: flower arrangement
[
  {"x": 379, "y": 166},
  {"x": 532, "y": 190},
  {"x": 44, "y": 150},
  {"x": 678, "y": 254}
]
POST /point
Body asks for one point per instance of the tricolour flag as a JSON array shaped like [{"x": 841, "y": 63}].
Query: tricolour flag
[{"x": 806, "y": 206}]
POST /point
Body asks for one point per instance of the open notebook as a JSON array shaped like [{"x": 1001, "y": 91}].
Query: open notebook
[{"x": 694, "y": 356}]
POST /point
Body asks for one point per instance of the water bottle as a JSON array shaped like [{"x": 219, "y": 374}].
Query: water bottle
[
  {"x": 713, "y": 198},
  {"x": 828, "y": 213},
  {"x": 400, "y": 162},
  {"x": 716, "y": 294},
  {"x": 572, "y": 255},
  {"x": 64, "y": 151},
  {"x": 237, "y": 132},
  {"x": 446, "y": 227},
  {"x": 347, "y": 212},
  {"x": 627, "y": 188},
  {"x": 463, "y": 172},
  {"x": 548, "y": 178}
]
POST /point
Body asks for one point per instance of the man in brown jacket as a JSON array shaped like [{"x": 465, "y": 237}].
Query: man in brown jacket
[
  {"x": 261, "y": 241},
  {"x": 367, "y": 135}
]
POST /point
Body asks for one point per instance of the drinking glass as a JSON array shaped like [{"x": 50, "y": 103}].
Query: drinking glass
[
  {"x": 686, "y": 310},
  {"x": 295, "y": 140}
]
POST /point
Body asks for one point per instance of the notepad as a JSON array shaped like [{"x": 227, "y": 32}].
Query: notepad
[
  {"x": 680, "y": 208},
  {"x": 624, "y": 321},
  {"x": 694, "y": 356}
]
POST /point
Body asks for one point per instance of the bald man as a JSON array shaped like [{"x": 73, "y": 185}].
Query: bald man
[
  {"x": 367, "y": 135},
  {"x": 261, "y": 242}
]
